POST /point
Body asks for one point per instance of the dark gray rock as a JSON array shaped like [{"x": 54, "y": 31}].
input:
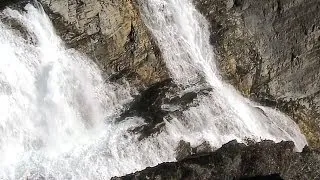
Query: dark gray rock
[
  {"x": 12, "y": 3},
  {"x": 266, "y": 160},
  {"x": 185, "y": 150},
  {"x": 202, "y": 148},
  {"x": 159, "y": 101},
  {"x": 270, "y": 51}
]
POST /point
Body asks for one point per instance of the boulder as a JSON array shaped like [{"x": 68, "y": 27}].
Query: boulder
[
  {"x": 159, "y": 101},
  {"x": 263, "y": 160}
]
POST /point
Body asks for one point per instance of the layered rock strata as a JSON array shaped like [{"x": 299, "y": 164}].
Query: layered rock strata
[
  {"x": 270, "y": 51},
  {"x": 113, "y": 35}
]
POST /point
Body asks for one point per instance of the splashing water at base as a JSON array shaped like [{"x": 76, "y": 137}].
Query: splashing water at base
[
  {"x": 56, "y": 112},
  {"x": 183, "y": 36}
]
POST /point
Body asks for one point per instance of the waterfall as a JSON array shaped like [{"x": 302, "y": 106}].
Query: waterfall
[
  {"x": 56, "y": 110},
  {"x": 57, "y": 113},
  {"x": 183, "y": 36}
]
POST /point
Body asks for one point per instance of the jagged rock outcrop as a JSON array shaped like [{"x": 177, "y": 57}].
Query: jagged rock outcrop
[
  {"x": 264, "y": 160},
  {"x": 159, "y": 101},
  {"x": 185, "y": 149},
  {"x": 270, "y": 50},
  {"x": 5, "y": 3},
  {"x": 113, "y": 35}
]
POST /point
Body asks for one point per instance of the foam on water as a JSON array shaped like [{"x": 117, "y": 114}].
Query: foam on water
[{"x": 57, "y": 113}]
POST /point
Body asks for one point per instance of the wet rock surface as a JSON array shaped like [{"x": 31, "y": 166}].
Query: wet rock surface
[
  {"x": 12, "y": 3},
  {"x": 185, "y": 149},
  {"x": 264, "y": 160},
  {"x": 159, "y": 101},
  {"x": 270, "y": 51}
]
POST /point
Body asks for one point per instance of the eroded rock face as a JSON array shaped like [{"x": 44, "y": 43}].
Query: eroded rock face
[
  {"x": 110, "y": 32},
  {"x": 270, "y": 50},
  {"x": 162, "y": 100},
  {"x": 266, "y": 160},
  {"x": 113, "y": 35}
]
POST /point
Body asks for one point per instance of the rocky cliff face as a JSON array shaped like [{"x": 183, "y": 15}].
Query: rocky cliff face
[
  {"x": 270, "y": 51},
  {"x": 113, "y": 35},
  {"x": 264, "y": 160},
  {"x": 110, "y": 32}
]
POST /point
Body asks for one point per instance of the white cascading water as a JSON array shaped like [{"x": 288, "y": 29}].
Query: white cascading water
[
  {"x": 57, "y": 113},
  {"x": 183, "y": 36}
]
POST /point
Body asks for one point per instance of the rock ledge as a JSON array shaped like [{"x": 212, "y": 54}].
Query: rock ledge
[{"x": 263, "y": 160}]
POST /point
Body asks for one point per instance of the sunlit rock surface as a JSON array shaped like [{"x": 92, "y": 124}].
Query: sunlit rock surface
[
  {"x": 268, "y": 50},
  {"x": 113, "y": 35}
]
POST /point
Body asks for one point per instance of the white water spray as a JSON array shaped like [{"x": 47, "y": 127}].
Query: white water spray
[
  {"x": 56, "y": 110},
  {"x": 183, "y": 36},
  {"x": 56, "y": 114}
]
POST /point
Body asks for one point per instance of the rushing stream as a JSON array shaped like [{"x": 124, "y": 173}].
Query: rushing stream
[{"x": 57, "y": 113}]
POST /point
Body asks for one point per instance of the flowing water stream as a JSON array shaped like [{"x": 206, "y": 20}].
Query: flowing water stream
[
  {"x": 57, "y": 113},
  {"x": 183, "y": 36}
]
